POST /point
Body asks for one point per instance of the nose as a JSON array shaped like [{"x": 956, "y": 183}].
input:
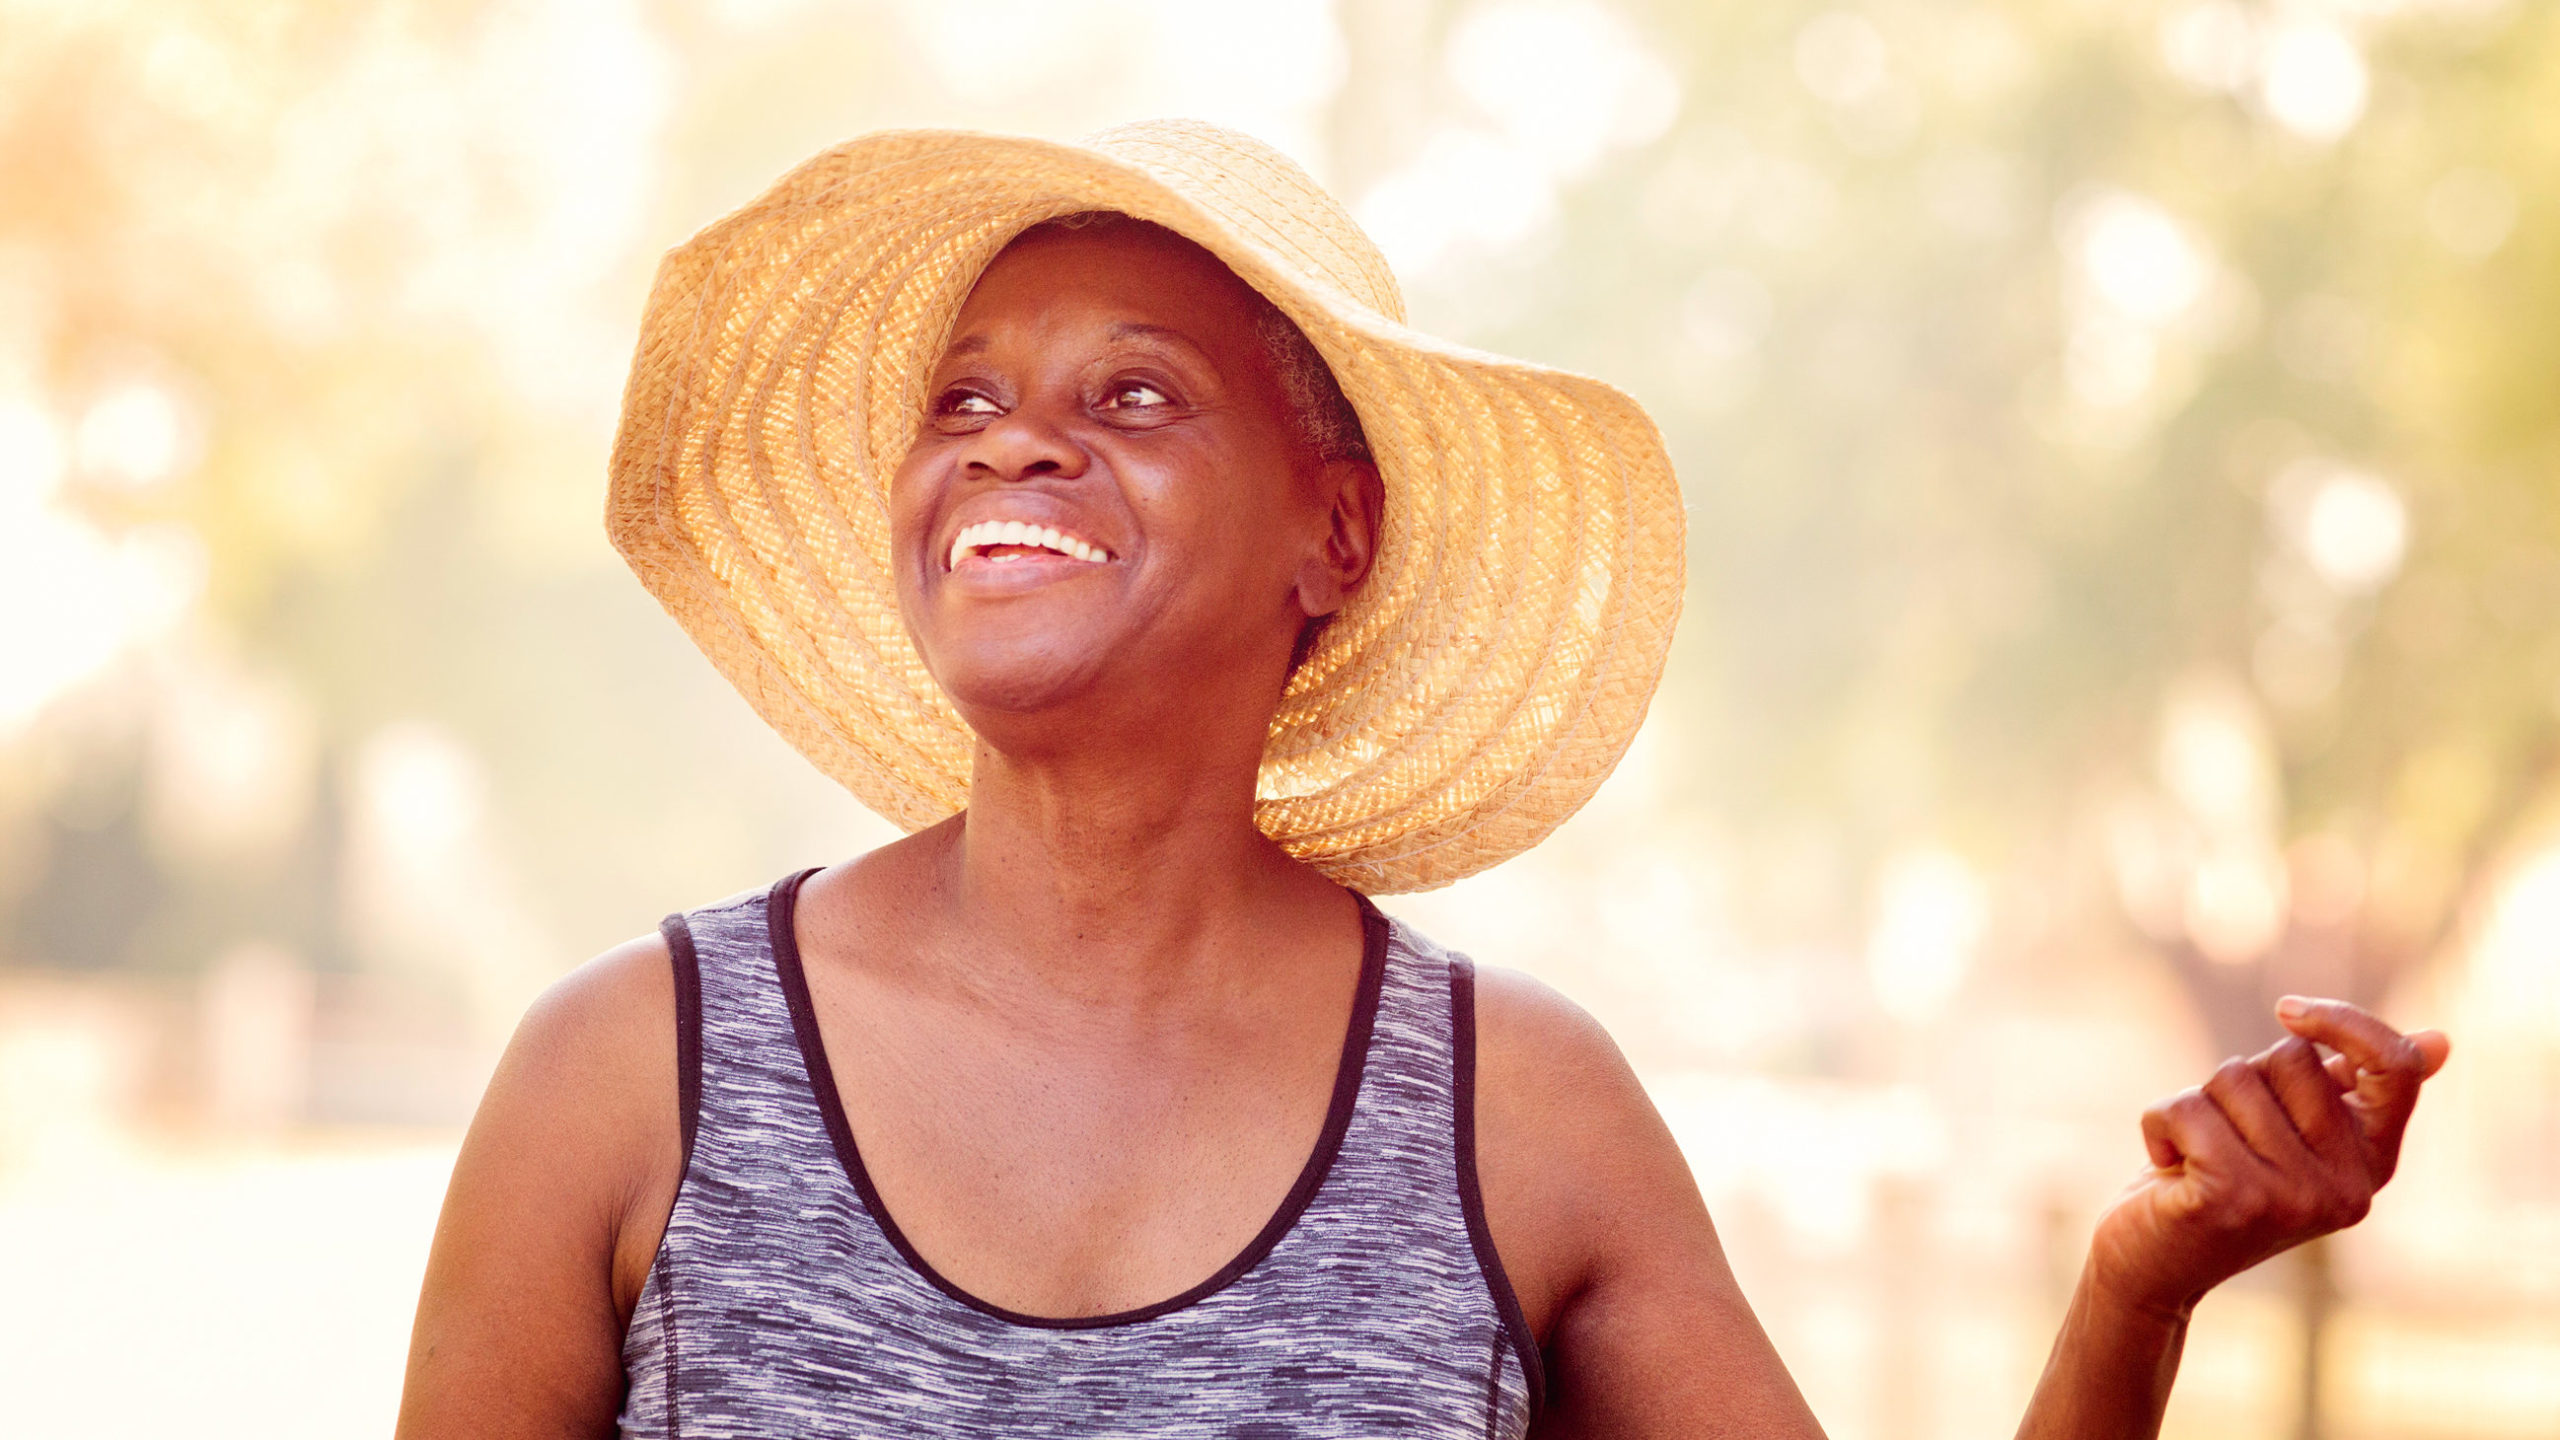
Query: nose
[{"x": 1022, "y": 444}]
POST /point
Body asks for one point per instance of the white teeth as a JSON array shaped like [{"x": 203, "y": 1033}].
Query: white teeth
[{"x": 987, "y": 533}]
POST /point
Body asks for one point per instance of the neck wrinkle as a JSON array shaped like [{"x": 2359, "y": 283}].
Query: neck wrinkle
[{"x": 1118, "y": 880}]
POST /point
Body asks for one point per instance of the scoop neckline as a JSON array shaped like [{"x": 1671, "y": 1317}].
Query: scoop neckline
[{"x": 781, "y": 909}]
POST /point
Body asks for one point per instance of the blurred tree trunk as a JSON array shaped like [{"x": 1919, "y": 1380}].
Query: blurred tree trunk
[{"x": 2316, "y": 1295}]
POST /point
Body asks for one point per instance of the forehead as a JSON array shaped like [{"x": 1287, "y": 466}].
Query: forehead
[{"x": 1106, "y": 275}]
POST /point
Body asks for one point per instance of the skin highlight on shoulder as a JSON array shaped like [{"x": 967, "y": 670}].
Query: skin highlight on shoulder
[
  {"x": 1605, "y": 1237},
  {"x": 554, "y": 1211}
]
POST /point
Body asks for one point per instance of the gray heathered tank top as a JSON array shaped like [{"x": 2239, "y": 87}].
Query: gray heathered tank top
[{"x": 785, "y": 1302}]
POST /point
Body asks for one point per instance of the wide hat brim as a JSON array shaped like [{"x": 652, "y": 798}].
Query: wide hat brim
[{"x": 1471, "y": 696}]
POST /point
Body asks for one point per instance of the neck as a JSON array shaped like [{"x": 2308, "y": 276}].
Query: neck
[{"x": 1116, "y": 877}]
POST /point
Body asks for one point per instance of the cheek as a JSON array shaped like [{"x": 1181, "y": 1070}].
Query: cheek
[
  {"x": 1271, "y": 513},
  {"x": 910, "y": 516},
  {"x": 1241, "y": 505},
  {"x": 906, "y": 494}
]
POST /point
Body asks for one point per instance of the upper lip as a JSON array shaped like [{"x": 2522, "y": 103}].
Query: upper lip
[{"x": 1016, "y": 530}]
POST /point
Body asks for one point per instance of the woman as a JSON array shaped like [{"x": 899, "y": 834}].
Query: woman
[{"x": 1105, "y": 1103}]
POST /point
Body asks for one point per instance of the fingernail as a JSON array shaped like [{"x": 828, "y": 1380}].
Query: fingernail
[{"x": 2293, "y": 1007}]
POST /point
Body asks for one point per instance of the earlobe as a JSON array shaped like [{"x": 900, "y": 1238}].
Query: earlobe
[{"x": 1319, "y": 593}]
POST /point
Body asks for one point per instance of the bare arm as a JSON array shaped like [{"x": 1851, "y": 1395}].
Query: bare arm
[{"x": 553, "y": 1214}]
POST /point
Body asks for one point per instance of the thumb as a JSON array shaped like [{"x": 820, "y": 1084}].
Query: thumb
[{"x": 2434, "y": 1047}]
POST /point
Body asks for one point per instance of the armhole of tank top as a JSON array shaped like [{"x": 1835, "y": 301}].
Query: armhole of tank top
[
  {"x": 1515, "y": 1322},
  {"x": 686, "y": 966},
  {"x": 688, "y": 981}
]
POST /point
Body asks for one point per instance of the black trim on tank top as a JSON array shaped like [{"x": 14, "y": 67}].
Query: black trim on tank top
[
  {"x": 688, "y": 975},
  {"x": 1462, "y": 1027},
  {"x": 781, "y": 906},
  {"x": 687, "y": 967}
]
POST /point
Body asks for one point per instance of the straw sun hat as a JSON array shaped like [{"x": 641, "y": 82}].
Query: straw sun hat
[{"x": 1472, "y": 695}]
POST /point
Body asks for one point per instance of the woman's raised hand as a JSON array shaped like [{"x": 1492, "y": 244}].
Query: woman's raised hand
[{"x": 2272, "y": 1151}]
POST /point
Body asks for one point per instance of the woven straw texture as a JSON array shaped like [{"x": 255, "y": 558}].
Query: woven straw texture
[{"x": 1476, "y": 690}]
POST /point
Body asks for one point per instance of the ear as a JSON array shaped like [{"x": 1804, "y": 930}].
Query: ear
[{"x": 1355, "y": 499}]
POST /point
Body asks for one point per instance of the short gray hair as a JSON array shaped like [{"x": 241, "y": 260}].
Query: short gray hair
[{"x": 1317, "y": 407}]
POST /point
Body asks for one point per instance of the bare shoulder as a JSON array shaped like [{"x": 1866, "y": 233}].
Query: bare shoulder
[
  {"x": 1569, "y": 1149},
  {"x": 1605, "y": 1237},
  {"x": 1544, "y": 1065},
  {"x": 1540, "y": 1048},
  {"x": 588, "y": 1088},
  {"x": 557, "y": 1197},
  {"x": 605, "y": 1021}
]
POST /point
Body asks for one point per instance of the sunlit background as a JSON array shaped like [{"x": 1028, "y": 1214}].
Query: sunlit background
[{"x": 2122, "y": 451}]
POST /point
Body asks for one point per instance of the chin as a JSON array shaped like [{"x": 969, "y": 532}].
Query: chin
[
  {"x": 1000, "y": 681},
  {"x": 1020, "y": 656}
]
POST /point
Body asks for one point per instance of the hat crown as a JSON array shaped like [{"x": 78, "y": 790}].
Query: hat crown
[{"x": 1262, "y": 193}]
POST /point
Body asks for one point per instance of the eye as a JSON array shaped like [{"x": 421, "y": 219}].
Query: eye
[
  {"x": 1134, "y": 395},
  {"x": 962, "y": 411}
]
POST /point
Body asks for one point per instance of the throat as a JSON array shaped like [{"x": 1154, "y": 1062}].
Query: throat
[{"x": 1122, "y": 873}]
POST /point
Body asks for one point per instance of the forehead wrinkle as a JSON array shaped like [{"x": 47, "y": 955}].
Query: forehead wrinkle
[
  {"x": 1140, "y": 330},
  {"x": 1174, "y": 344}
]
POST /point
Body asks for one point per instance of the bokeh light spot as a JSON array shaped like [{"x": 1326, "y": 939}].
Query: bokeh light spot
[{"x": 2313, "y": 82}]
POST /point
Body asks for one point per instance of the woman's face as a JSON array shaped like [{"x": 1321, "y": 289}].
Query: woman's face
[{"x": 1108, "y": 509}]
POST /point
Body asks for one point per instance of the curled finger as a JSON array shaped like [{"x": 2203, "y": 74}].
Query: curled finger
[
  {"x": 2189, "y": 1132},
  {"x": 2389, "y": 1068},
  {"x": 2250, "y": 1104},
  {"x": 2310, "y": 1095}
]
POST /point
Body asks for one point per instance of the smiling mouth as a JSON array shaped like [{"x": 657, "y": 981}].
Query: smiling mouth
[{"x": 1003, "y": 542}]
